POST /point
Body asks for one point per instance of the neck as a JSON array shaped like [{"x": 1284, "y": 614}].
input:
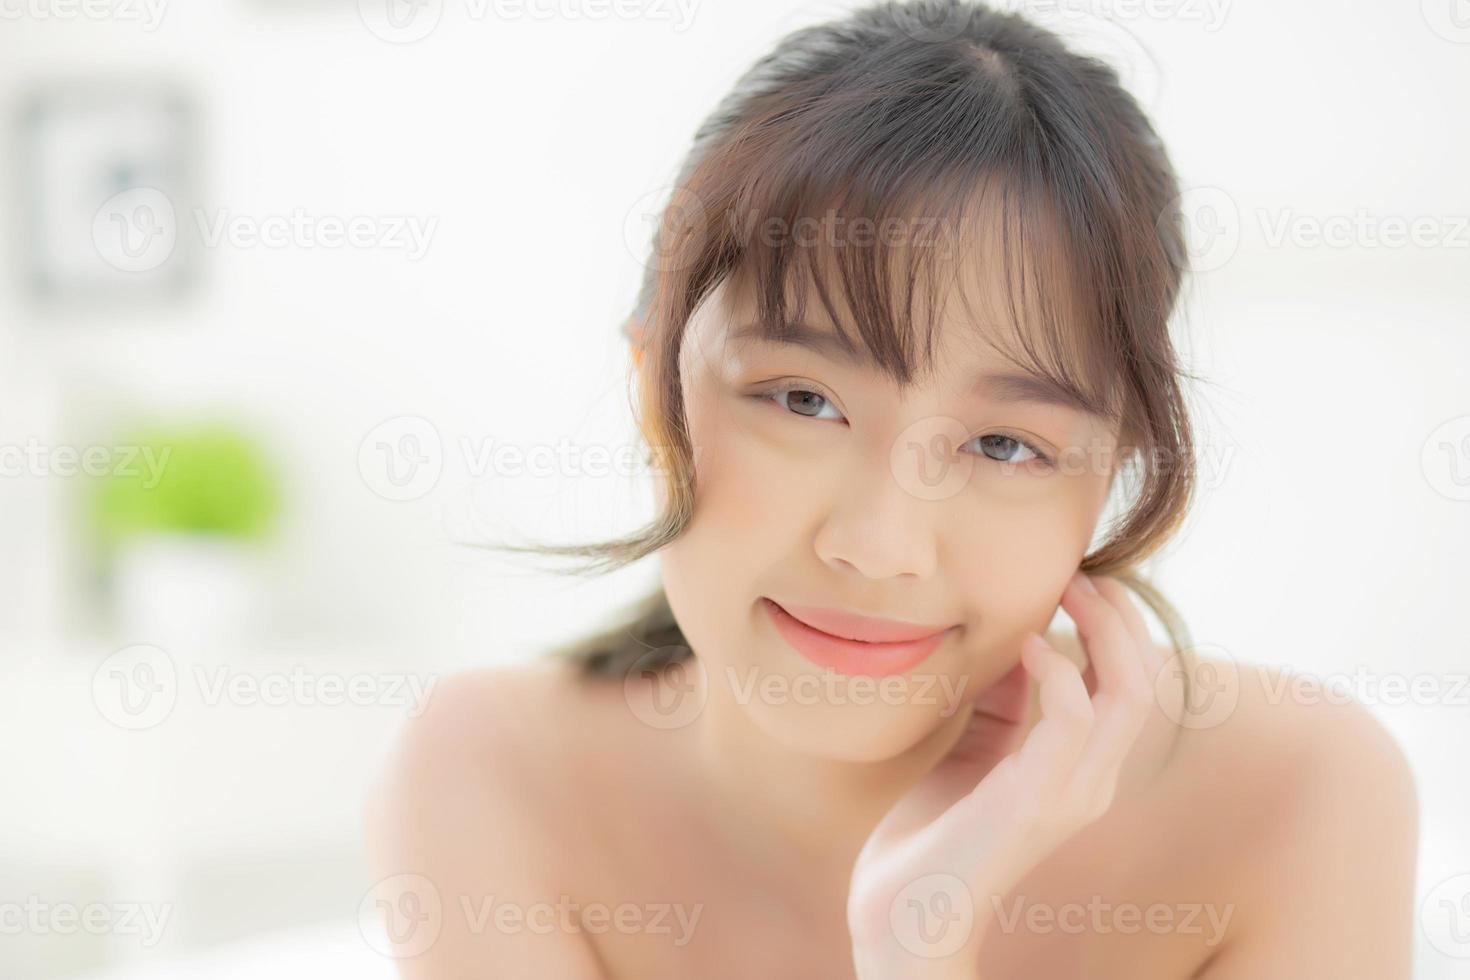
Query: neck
[
  {"x": 788, "y": 808},
  {"x": 779, "y": 805}
]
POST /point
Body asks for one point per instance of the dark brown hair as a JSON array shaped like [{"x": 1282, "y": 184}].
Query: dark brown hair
[{"x": 909, "y": 111}]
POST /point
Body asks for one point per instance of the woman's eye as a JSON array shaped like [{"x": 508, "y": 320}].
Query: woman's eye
[
  {"x": 803, "y": 401},
  {"x": 997, "y": 446},
  {"x": 1003, "y": 449}
]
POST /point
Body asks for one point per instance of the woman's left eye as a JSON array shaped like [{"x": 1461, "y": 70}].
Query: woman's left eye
[{"x": 1005, "y": 445}]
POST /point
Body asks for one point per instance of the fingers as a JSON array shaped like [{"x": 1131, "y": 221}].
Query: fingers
[
  {"x": 1110, "y": 645},
  {"x": 1110, "y": 627},
  {"x": 1122, "y": 600},
  {"x": 1028, "y": 784},
  {"x": 1067, "y": 767},
  {"x": 1051, "y": 751}
]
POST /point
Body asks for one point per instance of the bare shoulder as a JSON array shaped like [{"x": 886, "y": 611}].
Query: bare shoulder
[
  {"x": 1232, "y": 717},
  {"x": 458, "y": 817},
  {"x": 1316, "y": 803},
  {"x": 1297, "y": 809},
  {"x": 1287, "y": 751},
  {"x": 488, "y": 729},
  {"x": 492, "y": 702},
  {"x": 1321, "y": 740}
]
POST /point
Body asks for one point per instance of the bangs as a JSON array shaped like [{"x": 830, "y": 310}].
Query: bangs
[{"x": 886, "y": 267}]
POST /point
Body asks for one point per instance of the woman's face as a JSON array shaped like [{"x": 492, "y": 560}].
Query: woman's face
[{"x": 821, "y": 483}]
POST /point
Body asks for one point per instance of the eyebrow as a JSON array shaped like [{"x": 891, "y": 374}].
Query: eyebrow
[{"x": 1001, "y": 386}]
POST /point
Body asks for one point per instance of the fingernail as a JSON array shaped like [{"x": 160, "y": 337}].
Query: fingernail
[{"x": 1085, "y": 584}]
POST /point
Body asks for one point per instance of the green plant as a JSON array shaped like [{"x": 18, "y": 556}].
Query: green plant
[{"x": 208, "y": 479}]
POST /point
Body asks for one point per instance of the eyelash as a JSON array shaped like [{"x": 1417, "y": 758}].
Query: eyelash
[{"x": 785, "y": 389}]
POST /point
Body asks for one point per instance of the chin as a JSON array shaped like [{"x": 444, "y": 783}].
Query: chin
[
  {"x": 847, "y": 733},
  {"x": 821, "y": 712},
  {"x": 851, "y": 718}
]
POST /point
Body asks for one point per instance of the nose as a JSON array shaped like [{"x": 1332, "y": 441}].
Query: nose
[{"x": 879, "y": 530}]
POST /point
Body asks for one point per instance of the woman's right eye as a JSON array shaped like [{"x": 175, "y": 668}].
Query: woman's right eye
[{"x": 802, "y": 401}]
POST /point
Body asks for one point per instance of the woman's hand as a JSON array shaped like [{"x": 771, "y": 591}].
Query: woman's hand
[{"x": 922, "y": 887}]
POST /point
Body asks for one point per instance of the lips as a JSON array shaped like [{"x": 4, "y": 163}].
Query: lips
[
  {"x": 904, "y": 645},
  {"x": 849, "y": 626}
]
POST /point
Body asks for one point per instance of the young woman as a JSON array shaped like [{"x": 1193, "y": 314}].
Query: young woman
[{"x": 903, "y": 347}]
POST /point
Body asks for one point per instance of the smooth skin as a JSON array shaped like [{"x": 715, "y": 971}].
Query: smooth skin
[
  {"x": 530, "y": 824},
  {"x": 520, "y": 786}
]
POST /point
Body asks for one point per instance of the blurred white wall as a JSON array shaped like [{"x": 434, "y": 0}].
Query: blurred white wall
[{"x": 1330, "y": 534}]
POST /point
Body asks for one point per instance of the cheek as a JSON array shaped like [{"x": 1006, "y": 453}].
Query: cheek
[
  {"x": 746, "y": 490},
  {"x": 734, "y": 525},
  {"x": 1012, "y": 559},
  {"x": 741, "y": 528}
]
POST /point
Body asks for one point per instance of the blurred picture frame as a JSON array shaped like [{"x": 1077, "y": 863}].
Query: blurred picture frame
[{"x": 108, "y": 173}]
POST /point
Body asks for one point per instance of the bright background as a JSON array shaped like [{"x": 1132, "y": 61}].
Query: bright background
[{"x": 1330, "y": 534}]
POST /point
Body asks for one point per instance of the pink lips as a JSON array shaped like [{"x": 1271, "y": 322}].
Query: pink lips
[{"x": 852, "y": 644}]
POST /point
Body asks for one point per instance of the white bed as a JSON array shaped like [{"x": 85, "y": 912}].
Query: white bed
[{"x": 325, "y": 951}]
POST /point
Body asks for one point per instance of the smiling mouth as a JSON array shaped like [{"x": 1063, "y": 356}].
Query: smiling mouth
[
  {"x": 864, "y": 629},
  {"x": 902, "y": 647}
]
